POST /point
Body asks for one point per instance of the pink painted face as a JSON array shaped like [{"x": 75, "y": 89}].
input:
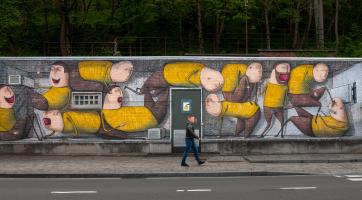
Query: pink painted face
[
  {"x": 113, "y": 99},
  {"x": 320, "y": 72},
  {"x": 211, "y": 80},
  {"x": 338, "y": 110},
  {"x": 121, "y": 71},
  {"x": 58, "y": 77},
  {"x": 282, "y": 72},
  {"x": 254, "y": 72},
  {"x": 213, "y": 105},
  {"x": 7, "y": 97},
  {"x": 53, "y": 120}
]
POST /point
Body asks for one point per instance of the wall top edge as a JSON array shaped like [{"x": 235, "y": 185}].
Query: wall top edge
[{"x": 75, "y": 58}]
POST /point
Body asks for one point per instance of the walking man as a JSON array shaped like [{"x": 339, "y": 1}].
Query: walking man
[{"x": 189, "y": 140}]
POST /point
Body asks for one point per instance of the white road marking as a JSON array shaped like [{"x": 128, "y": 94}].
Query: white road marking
[
  {"x": 200, "y": 190},
  {"x": 180, "y": 190},
  {"x": 298, "y": 188},
  {"x": 354, "y": 176},
  {"x": 337, "y": 176},
  {"x": 73, "y": 192},
  {"x": 355, "y": 179}
]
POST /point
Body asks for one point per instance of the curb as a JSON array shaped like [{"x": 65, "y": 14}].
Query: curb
[
  {"x": 153, "y": 175},
  {"x": 302, "y": 161}
]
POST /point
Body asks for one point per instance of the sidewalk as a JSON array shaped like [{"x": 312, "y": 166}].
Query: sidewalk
[{"x": 145, "y": 166}]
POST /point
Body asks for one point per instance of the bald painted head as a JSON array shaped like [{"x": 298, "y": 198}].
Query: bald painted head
[
  {"x": 254, "y": 72},
  {"x": 211, "y": 80},
  {"x": 121, "y": 71},
  {"x": 338, "y": 110},
  {"x": 53, "y": 120},
  {"x": 213, "y": 105},
  {"x": 320, "y": 72},
  {"x": 7, "y": 97}
]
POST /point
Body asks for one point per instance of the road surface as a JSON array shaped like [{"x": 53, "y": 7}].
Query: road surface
[{"x": 336, "y": 187}]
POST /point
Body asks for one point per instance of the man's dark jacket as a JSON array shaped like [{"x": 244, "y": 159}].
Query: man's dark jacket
[{"x": 190, "y": 131}]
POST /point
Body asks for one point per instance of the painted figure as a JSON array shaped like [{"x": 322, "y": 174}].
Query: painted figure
[
  {"x": 276, "y": 90},
  {"x": 247, "y": 112},
  {"x": 95, "y": 75},
  {"x": 240, "y": 81},
  {"x": 10, "y": 127},
  {"x": 133, "y": 118},
  {"x": 333, "y": 125},
  {"x": 76, "y": 122},
  {"x": 182, "y": 74},
  {"x": 58, "y": 96},
  {"x": 300, "y": 85}
]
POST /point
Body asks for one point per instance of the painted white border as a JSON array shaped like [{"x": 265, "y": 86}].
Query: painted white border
[
  {"x": 170, "y": 105},
  {"x": 77, "y": 58}
]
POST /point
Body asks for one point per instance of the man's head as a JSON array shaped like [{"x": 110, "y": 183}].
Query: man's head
[
  {"x": 59, "y": 74},
  {"x": 113, "y": 98},
  {"x": 53, "y": 120},
  {"x": 254, "y": 72},
  {"x": 320, "y": 72},
  {"x": 7, "y": 97},
  {"x": 121, "y": 71},
  {"x": 211, "y": 80},
  {"x": 213, "y": 105},
  {"x": 280, "y": 73},
  {"x": 192, "y": 119}
]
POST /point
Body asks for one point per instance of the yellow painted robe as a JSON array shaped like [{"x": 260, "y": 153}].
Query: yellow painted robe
[
  {"x": 185, "y": 74},
  {"x": 231, "y": 74},
  {"x": 57, "y": 98},
  {"x": 239, "y": 110},
  {"x": 301, "y": 79},
  {"x": 275, "y": 95},
  {"x": 130, "y": 118},
  {"x": 81, "y": 122},
  {"x": 7, "y": 119},
  {"x": 99, "y": 71},
  {"x": 331, "y": 127}
]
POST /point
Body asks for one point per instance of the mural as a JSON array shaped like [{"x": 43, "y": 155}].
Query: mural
[{"x": 124, "y": 99}]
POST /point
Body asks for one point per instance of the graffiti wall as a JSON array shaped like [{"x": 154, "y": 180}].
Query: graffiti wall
[{"x": 125, "y": 98}]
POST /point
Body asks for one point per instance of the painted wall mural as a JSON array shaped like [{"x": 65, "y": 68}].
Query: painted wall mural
[{"x": 125, "y": 99}]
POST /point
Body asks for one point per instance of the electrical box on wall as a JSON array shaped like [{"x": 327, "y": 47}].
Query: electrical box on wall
[
  {"x": 14, "y": 80},
  {"x": 21, "y": 80}
]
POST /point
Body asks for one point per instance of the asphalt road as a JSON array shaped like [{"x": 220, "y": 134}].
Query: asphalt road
[{"x": 263, "y": 187}]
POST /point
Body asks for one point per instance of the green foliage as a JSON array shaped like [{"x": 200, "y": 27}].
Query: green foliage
[{"x": 153, "y": 27}]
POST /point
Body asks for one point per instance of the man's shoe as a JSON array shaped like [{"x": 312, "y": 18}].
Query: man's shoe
[
  {"x": 201, "y": 162},
  {"x": 184, "y": 165}
]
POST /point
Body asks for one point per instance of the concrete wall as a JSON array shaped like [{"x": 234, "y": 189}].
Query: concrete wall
[{"x": 341, "y": 71}]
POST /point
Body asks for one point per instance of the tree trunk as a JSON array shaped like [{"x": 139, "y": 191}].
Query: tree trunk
[
  {"x": 64, "y": 40},
  {"x": 220, "y": 21},
  {"x": 267, "y": 28},
  {"x": 306, "y": 31},
  {"x": 180, "y": 34},
  {"x": 246, "y": 28},
  {"x": 336, "y": 24},
  {"x": 219, "y": 30},
  {"x": 318, "y": 13},
  {"x": 296, "y": 28},
  {"x": 199, "y": 27}
]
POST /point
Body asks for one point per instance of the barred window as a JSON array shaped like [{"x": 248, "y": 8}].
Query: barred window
[{"x": 86, "y": 100}]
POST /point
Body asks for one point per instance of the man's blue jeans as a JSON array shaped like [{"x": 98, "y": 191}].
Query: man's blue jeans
[{"x": 190, "y": 144}]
